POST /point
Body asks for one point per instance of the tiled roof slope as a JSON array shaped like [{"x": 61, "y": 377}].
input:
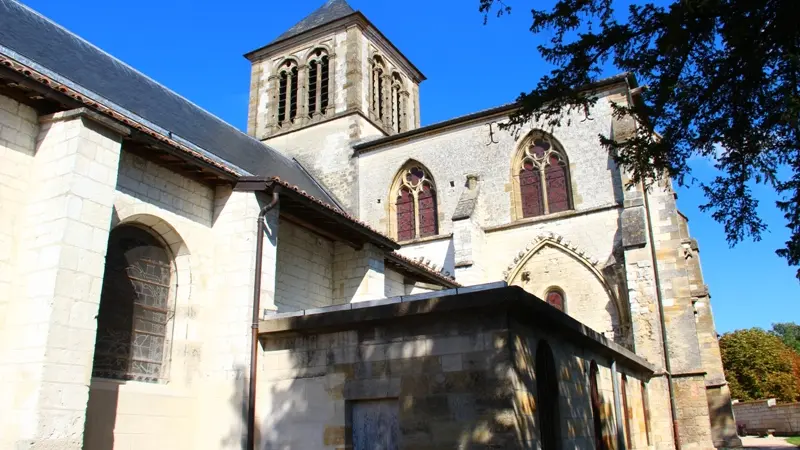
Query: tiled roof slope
[
  {"x": 330, "y": 11},
  {"x": 112, "y": 83}
]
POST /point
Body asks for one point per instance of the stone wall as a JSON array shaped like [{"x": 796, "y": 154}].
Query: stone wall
[
  {"x": 304, "y": 269},
  {"x": 760, "y": 415},
  {"x": 179, "y": 211},
  {"x": 576, "y": 425},
  {"x": 324, "y": 150},
  {"x": 450, "y": 378},
  {"x": 464, "y": 379},
  {"x": 451, "y": 155},
  {"x": 19, "y": 126},
  {"x": 61, "y": 226},
  {"x": 165, "y": 189}
]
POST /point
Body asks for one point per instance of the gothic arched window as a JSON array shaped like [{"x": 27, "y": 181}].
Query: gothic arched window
[
  {"x": 415, "y": 205},
  {"x": 377, "y": 87},
  {"x": 547, "y": 394},
  {"x": 597, "y": 407},
  {"x": 555, "y": 297},
  {"x": 318, "y": 83},
  {"x": 135, "y": 309},
  {"x": 287, "y": 92},
  {"x": 398, "y": 108},
  {"x": 543, "y": 178}
]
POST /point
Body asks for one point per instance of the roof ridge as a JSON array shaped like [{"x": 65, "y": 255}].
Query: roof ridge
[
  {"x": 128, "y": 67},
  {"x": 329, "y": 11}
]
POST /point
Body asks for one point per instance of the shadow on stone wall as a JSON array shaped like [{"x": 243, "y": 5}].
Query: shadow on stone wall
[
  {"x": 237, "y": 436},
  {"x": 101, "y": 416},
  {"x": 465, "y": 381}
]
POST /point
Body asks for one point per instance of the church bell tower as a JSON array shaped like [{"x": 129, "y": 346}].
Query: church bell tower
[{"x": 332, "y": 63}]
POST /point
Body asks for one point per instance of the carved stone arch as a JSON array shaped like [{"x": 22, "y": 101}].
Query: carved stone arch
[
  {"x": 399, "y": 181},
  {"x": 311, "y": 52},
  {"x": 584, "y": 258},
  {"x": 128, "y": 220},
  {"x": 522, "y": 154},
  {"x": 291, "y": 60}
]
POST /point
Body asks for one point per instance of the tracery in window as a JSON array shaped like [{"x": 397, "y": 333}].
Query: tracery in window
[
  {"x": 377, "y": 86},
  {"x": 287, "y": 92},
  {"x": 135, "y": 309},
  {"x": 398, "y": 108},
  {"x": 543, "y": 183},
  {"x": 555, "y": 298},
  {"x": 415, "y": 204},
  {"x": 318, "y": 83}
]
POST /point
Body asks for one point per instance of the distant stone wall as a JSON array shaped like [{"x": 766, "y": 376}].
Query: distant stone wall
[
  {"x": 304, "y": 269},
  {"x": 760, "y": 415}
]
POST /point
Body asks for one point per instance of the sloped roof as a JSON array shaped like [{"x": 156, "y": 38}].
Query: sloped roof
[
  {"x": 330, "y": 11},
  {"x": 32, "y": 39}
]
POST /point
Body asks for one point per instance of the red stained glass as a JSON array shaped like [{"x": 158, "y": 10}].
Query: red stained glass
[
  {"x": 428, "y": 225},
  {"x": 531, "y": 190},
  {"x": 405, "y": 215},
  {"x": 555, "y": 298},
  {"x": 557, "y": 189}
]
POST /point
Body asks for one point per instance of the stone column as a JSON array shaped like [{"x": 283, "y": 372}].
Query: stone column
[
  {"x": 62, "y": 244},
  {"x": 354, "y": 71},
  {"x": 271, "y": 109},
  {"x": 255, "y": 94},
  {"x": 302, "y": 95},
  {"x": 386, "y": 95},
  {"x": 226, "y": 354}
]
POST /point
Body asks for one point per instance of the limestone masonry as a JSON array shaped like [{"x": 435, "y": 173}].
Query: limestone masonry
[{"x": 419, "y": 287}]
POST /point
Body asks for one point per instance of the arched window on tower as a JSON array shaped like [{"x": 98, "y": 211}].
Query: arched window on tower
[
  {"x": 318, "y": 83},
  {"x": 597, "y": 407},
  {"x": 398, "y": 108},
  {"x": 555, "y": 297},
  {"x": 287, "y": 92},
  {"x": 543, "y": 184},
  {"x": 135, "y": 308},
  {"x": 415, "y": 204},
  {"x": 547, "y": 394},
  {"x": 377, "y": 87}
]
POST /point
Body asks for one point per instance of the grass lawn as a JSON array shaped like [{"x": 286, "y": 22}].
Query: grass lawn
[{"x": 794, "y": 440}]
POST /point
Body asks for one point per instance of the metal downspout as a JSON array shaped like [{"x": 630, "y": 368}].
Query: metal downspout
[
  {"x": 251, "y": 397},
  {"x": 618, "y": 407}
]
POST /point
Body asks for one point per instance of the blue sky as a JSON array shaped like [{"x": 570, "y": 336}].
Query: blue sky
[{"x": 196, "y": 47}]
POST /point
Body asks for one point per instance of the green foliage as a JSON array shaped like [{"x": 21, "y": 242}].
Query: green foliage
[
  {"x": 789, "y": 333},
  {"x": 722, "y": 80},
  {"x": 794, "y": 440},
  {"x": 759, "y": 365}
]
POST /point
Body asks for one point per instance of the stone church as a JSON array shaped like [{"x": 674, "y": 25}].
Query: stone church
[{"x": 339, "y": 276}]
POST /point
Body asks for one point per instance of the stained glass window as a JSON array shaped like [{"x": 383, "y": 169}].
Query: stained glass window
[
  {"x": 134, "y": 307},
  {"x": 543, "y": 180},
  {"x": 406, "y": 223},
  {"x": 416, "y": 206},
  {"x": 555, "y": 298}
]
